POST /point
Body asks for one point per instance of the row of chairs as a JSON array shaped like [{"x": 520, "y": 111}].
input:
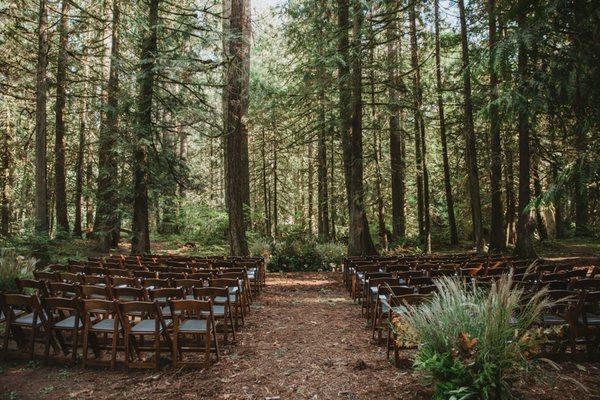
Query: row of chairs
[
  {"x": 385, "y": 288},
  {"x": 139, "y": 317}
]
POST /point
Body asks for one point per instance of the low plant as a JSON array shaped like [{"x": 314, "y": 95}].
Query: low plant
[
  {"x": 472, "y": 342},
  {"x": 14, "y": 266}
]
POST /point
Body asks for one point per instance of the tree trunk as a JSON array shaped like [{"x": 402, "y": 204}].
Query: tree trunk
[
  {"x": 310, "y": 188},
  {"x": 275, "y": 182},
  {"x": 81, "y": 150},
  {"x": 419, "y": 127},
  {"x": 60, "y": 184},
  {"x": 447, "y": 182},
  {"x": 107, "y": 219},
  {"x": 524, "y": 244},
  {"x": 497, "y": 235},
  {"x": 537, "y": 192},
  {"x": 469, "y": 133},
  {"x": 360, "y": 241},
  {"x": 41, "y": 189},
  {"x": 236, "y": 132},
  {"x": 6, "y": 177},
  {"x": 332, "y": 194},
  {"x": 322, "y": 196},
  {"x": 140, "y": 242}
]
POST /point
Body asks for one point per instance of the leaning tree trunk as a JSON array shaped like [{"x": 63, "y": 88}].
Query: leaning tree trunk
[
  {"x": 140, "y": 242},
  {"x": 443, "y": 140},
  {"x": 524, "y": 244},
  {"x": 60, "y": 183},
  {"x": 41, "y": 162},
  {"x": 469, "y": 133},
  {"x": 237, "y": 181}
]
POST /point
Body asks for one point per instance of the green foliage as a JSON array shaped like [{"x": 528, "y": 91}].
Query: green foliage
[
  {"x": 472, "y": 340},
  {"x": 14, "y": 266}
]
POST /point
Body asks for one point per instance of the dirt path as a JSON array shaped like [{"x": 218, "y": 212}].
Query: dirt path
[{"x": 303, "y": 340}]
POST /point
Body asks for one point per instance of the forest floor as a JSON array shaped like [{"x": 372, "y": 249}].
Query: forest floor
[{"x": 304, "y": 339}]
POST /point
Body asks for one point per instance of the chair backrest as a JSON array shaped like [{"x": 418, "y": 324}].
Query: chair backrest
[
  {"x": 58, "y": 268},
  {"x": 129, "y": 294},
  {"x": 420, "y": 280},
  {"x": 188, "y": 284},
  {"x": 64, "y": 289},
  {"x": 200, "y": 275},
  {"x": 588, "y": 284},
  {"x": 427, "y": 289},
  {"x": 163, "y": 295},
  {"x": 142, "y": 274},
  {"x": 70, "y": 277},
  {"x": 96, "y": 271},
  {"x": 95, "y": 280},
  {"x": 190, "y": 308},
  {"x": 224, "y": 282},
  {"x": 99, "y": 306},
  {"x": 77, "y": 269},
  {"x": 119, "y": 272},
  {"x": 131, "y": 310},
  {"x": 38, "y": 286},
  {"x": 9, "y": 302},
  {"x": 210, "y": 292},
  {"x": 156, "y": 283},
  {"x": 124, "y": 281},
  {"x": 61, "y": 307},
  {"x": 387, "y": 281},
  {"x": 171, "y": 275},
  {"x": 96, "y": 292},
  {"x": 47, "y": 276}
]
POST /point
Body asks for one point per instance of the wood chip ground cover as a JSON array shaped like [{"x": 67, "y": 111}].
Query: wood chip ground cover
[{"x": 304, "y": 339}]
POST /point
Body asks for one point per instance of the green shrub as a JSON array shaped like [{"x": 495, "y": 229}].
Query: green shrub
[
  {"x": 473, "y": 341},
  {"x": 261, "y": 247},
  {"x": 14, "y": 266}
]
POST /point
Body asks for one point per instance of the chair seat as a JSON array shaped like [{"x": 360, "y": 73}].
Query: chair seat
[
  {"x": 27, "y": 320},
  {"x": 592, "y": 319},
  {"x": 223, "y": 299},
  {"x": 193, "y": 326},
  {"x": 148, "y": 326},
  {"x": 69, "y": 323},
  {"x": 400, "y": 310},
  {"x": 166, "y": 311},
  {"x": 218, "y": 311},
  {"x": 106, "y": 325}
]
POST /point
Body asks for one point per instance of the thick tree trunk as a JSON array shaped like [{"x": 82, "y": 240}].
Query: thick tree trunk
[
  {"x": 497, "y": 234},
  {"x": 446, "y": 163},
  {"x": 332, "y": 192},
  {"x": 265, "y": 187},
  {"x": 419, "y": 128},
  {"x": 60, "y": 183},
  {"x": 524, "y": 244},
  {"x": 107, "y": 219},
  {"x": 469, "y": 133},
  {"x": 360, "y": 241},
  {"x": 236, "y": 132},
  {"x": 397, "y": 161},
  {"x": 322, "y": 195},
  {"x": 41, "y": 162},
  {"x": 510, "y": 226},
  {"x": 140, "y": 242}
]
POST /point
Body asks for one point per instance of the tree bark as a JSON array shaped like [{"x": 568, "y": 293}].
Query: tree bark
[
  {"x": 524, "y": 245},
  {"x": 265, "y": 187},
  {"x": 140, "y": 242},
  {"x": 446, "y": 163},
  {"x": 497, "y": 234},
  {"x": 6, "y": 177},
  {"x": 419, "y": 127},
  {"x": 107, "y": 219},
  {"x": 310, "y": 188},
  {"x": 469, "y": 133},
  {"x": 41, "y": 162},
  {"x": 236, "y": 132},
  {"x": 60, "y": 184},
  {"x": 322, "y": 195}
]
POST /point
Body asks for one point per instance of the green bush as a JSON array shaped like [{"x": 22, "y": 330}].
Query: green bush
[
  {"x": 472, "y": 341},
  {"x": 14, "y": 266}
]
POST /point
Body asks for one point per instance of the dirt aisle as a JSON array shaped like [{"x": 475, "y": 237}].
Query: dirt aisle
[{"x": 303, "y": 340}]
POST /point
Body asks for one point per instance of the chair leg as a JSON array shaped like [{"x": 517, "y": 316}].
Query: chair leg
[
  {"x": 32, "y": 344},
  {"x": 157, "y": 351},
  {"x": 208, "y": 341},
  {"x": 75, "y": 346},
  {"x": 85, "y": 347},
  {"x": 113, "y": 352},
  {"x": 47, "y": 345},
  {"x": 174, "y": 350},
  {"x": 214, "y": 329}
]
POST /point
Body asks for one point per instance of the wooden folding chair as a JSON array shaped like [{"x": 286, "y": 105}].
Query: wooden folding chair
[
  {"x": 64, "y": 315},
  {"x": 96, "y": 292},
  {"x": 64, "y": 289},
  {"x": 381, "y": 308},
  {"x": 221, "y": 310},
  {"x": 101, "y": 319},
  {"x": 152, "y": 325},
  {"x": 22, "y": 313},
  {"x": 162, "y": 296},
  {"x": 193, "y": 318},
  {"x": 233, "y": 286}
]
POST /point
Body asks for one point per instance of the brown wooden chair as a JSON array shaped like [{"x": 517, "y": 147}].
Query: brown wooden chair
[
  {"x": 155, "y": 283},
  {"x": 47, "y": 276},
  {"x": 142, "y": 274},
  {"x": 64, "y": 289},
  {"x": 152, "y": 325},
  {"x": 381, "y": 307},
  {"x": 28, "y": 286},
  {"x": 96, "y": 292},
  {"x": 64, "y": 315},
  {"x": 162, "y": 296},
  {"x": 233, "y": 285},
  {"x": 188, "y": 285},
  {"x": 129, "y": 293},
  {"x": 97, "y": 280},
  {"x": 193, "y": 318},
  {"x": 101, "y": 319},
  {"x": 221, "y": 311},
  {"x": 124, "y": 281},
  {"x": 22, "y": 313}
]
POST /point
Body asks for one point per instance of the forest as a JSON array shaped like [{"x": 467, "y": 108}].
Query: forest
[{"x": 346, "y": 126}]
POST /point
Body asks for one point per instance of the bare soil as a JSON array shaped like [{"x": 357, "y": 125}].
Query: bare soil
[{"x": 304, "y": 339}]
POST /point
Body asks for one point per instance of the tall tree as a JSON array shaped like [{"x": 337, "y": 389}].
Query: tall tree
[
  {"x": 41, "y": 189},
  {"x": 60, "y": 184},
  {"x": 443, "y": 139},
  {"x": 469, "y": 133},
  {"x": 82, "y": 147},
  {"x": 420, "y": 142},
  {"x": 106, "y": 221},
  {"x": 140, "y": 242},
  {"x": 524, "y": 244},
  {"x": 6, "y": 176},
  {"x": 236, "y": 131}
]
